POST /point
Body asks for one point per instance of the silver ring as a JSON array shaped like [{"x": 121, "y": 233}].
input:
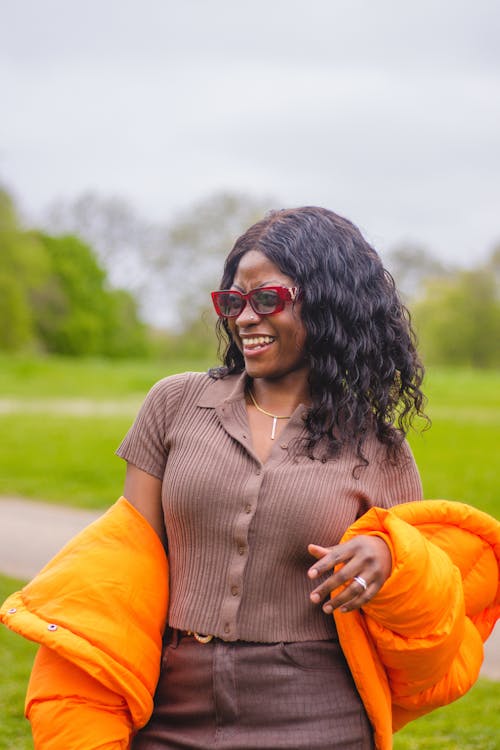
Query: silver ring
[{"x": 361, "y": 581}]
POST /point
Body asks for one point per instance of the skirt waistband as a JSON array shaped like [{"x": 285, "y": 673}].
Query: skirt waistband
[{"x": 174, "y": 635}]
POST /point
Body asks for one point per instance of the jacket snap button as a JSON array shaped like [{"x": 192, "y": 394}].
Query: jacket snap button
[
  {"x": 12, "y": 611},
  {"x": 51, "y": 626}
]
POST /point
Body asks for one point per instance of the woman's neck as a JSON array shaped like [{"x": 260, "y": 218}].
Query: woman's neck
[{"x": 281, "y": 396}]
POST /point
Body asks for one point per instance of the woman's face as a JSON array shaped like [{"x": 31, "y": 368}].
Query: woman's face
[{"x": 272, "y": 345}]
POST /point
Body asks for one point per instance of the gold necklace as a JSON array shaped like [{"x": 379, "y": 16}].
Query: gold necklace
[{"x": 275, "y": 417}]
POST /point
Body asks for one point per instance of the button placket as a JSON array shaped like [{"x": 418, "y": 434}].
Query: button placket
[{"x": 239, "y": 558}]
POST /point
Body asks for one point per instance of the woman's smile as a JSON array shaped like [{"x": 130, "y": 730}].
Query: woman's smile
[
  {"x": 272, "y": 345},
  {"x": 256, "y": 344}
]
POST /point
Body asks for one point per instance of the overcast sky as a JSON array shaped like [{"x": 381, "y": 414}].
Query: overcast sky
[{"x": 385, "y": 111}]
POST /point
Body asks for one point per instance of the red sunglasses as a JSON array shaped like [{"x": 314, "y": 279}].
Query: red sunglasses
[{"x": 267, "y": 300}]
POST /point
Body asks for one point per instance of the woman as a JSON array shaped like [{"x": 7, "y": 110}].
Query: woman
[
  {"x": 280, "y": 486},
  {"x": 261, "y": 466}
]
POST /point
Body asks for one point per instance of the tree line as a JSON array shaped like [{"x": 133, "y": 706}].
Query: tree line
[
  {"x": 100, "y": 280},
  {"x": 55, "y": 297},
  {"x": 456, "y": 311}
]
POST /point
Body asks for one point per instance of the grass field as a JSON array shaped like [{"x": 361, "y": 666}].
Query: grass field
[
  {"x": 16, "y": 658},
  {"x": 28, "y": 377},
  {"x": 64, "y": 419},
  {"x": 458, "y": 455}
]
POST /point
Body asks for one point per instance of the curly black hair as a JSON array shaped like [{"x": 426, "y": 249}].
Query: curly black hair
[{"x": 364, "y": 369}]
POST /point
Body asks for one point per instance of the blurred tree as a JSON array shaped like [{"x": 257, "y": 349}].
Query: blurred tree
[
  {"x": 458, "y": 319},
  {"x": 54, "y": 296},
  {"x": 54, "y": 289},
  {"x": 16, "y": 327},
  {"x": 188, "y": 261},
  {"x": 412, "y": 266},
  {"x": 493, "y": 267},
  {"x": 171, "y": 267},
  {"x": 24, "y": 271},
  {"x": 125, "y": 335},
  {"x": 81, "y": 316},
  {"x": 75, "y": 309},
  {"x": 122, "y": 240}
]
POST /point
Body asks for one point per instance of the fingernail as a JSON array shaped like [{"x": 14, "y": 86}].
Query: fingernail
[
  {"x": 344, "y": 609},
  {"x": 313, "y": 573},
  {"x": 328, "y": 609},
  {"x": 315, "y": 598}
]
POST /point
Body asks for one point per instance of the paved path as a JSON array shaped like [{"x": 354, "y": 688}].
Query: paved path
[{"x": 32, "y": 532}]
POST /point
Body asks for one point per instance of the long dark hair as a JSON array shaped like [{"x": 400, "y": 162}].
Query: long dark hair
[{"x": 364, "y": 370}]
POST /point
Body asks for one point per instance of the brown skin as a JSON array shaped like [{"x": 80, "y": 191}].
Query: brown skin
[
  {"x": 279, "y": 374},
  {"x": 143, "y": 491},
  {"x": 365, "y": 556},
  {"x": 279, "y": 371}
]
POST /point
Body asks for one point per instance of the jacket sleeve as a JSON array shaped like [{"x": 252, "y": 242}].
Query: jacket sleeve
[
  {"x": 418, "y": 623},
  {"x": 67, "y": 708},
  {"x": 98, "y": 610}
]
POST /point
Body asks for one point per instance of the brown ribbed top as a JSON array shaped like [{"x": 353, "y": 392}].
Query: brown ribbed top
[{"x": 238, "y": 529}]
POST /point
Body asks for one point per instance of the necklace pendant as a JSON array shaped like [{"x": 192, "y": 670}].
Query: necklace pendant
[{"x": 273, "y": 431}]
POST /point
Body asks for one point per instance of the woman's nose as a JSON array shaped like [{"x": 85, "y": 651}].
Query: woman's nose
[{"x": 247, "y": 316}]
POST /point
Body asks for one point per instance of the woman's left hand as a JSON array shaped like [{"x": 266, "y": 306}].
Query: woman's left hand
[{"x": 367, "y": 557}]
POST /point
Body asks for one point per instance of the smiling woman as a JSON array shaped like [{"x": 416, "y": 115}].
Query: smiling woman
[
  {"x": 280, "y": 485},
  {"x": 346, "y": 326}
]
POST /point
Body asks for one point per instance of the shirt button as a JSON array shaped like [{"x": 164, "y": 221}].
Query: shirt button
[
  {"x": 258, "y": 472},
  {"x": 244, "y": 437},
  {"x": 51, "y": 626},
  {"x": 283, "y": 445},
  {"x": 234, "y": 590},
  {"x": 227, "y": 628},
  {"x": 248, "y": 508},
  {"x": 241, "y": 550},
  {"x": 12, "y": 611}
]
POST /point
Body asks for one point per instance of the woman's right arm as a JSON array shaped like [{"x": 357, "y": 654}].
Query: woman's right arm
[{"x": 143, "y": 491}]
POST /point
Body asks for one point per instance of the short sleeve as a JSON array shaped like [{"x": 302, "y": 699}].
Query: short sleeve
[
  {"x": 146, "y": 444},
  {"x": 398, "y": 480}
]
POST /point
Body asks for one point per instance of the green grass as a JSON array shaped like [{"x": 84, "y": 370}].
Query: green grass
[
  {"x": 44, "y": 377},
  {"x": 472, "y": 723},
  {"x": 16, "y": 658},
  {"x": 457, "y": 456},
  {"x": 69, "y": 459},
  {"x": 63, "y": 459}
]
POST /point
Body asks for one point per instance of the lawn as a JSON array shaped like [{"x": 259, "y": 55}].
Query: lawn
[
  {"x": 49, "y": 377},
  {"x": 16, "y": 658},
  {"x": 458, "y": 455},
  {"x": 69, "y": 457},
  {"x": 471, "y": 723}
]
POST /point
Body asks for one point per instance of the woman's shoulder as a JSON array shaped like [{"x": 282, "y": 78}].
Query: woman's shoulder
[
  {"x": 174, "y": 387},
  {"x": 191, "y": 386},
  {"x": 180, "y": 380}
]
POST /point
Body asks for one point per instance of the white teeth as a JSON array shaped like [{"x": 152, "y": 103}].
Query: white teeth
[{"x": 259, "y": 341}]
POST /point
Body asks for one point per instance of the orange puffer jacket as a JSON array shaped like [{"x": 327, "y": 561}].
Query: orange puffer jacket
[{"x": 98, "y": 610}]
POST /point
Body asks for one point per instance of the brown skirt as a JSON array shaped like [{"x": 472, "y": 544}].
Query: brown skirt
[{"x": 255, "y": 696}]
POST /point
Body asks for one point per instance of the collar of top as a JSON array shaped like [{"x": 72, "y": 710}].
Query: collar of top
[{"x": 224, "y": 390}]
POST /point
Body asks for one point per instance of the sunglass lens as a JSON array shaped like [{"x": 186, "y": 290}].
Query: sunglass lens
[
  {"x": 230, "y": 304},
  {"x": 265, "y": 301}
]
